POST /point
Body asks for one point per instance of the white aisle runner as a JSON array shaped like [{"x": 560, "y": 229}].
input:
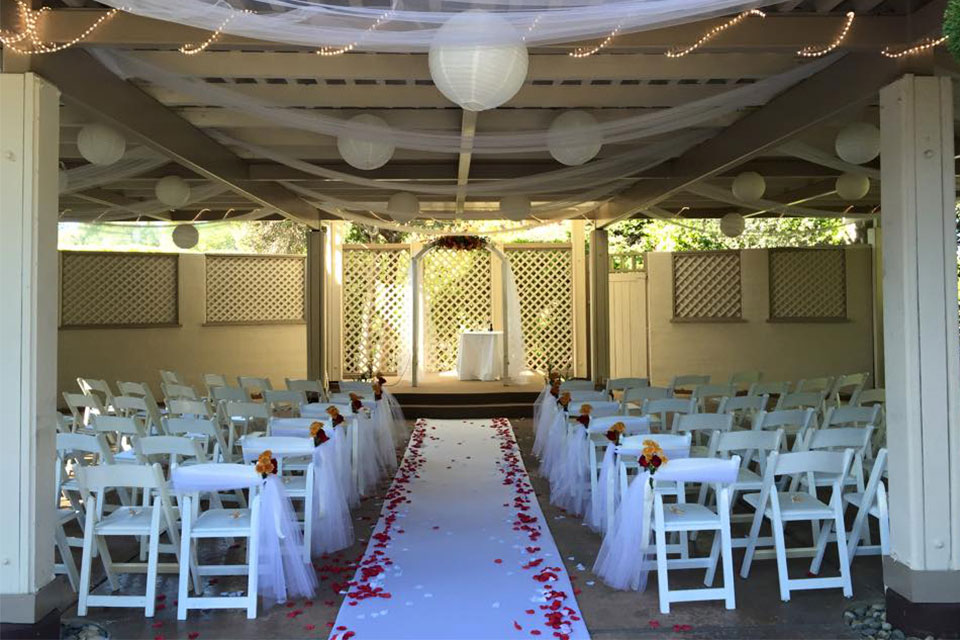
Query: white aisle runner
[{"x": 461, "y": 549}]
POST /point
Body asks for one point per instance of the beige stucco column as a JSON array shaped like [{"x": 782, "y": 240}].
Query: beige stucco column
[
  {"x": 578, "y": 265},
  {"x": 599, "y": 307},
  {"x": 29, "y": 141},
  {"x": 922, "y": 355},
  {"x": 316, "y": 279}
]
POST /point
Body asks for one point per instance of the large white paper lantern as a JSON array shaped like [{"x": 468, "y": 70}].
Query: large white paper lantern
[
  {"x": 852, "y": 186},
  {"x": 101, "y": 144},
  {"x": 185, "y": 236},
  {"x": 573, "y": 139},
  {"x": 515, "y": 207},
  {"x": 749, "y": 186},
  {"x": 858, "y": 143},
  {"x": 403, "y": 207},
  {"x": 172, "y": 191},
  {"x": 366, "y": 154},
  {"x": 478, "y": 60},
  {"x": 732, "y": 225}
]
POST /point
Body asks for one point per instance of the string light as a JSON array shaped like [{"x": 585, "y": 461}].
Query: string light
[
  {"x": 193, "y": 49},
  {"x": 714, "y": 32},
  {"x": 31, "y": 32},
  {"x": 583, "y": 52},
  {"x": 533, "y": 25},
  {"x": 336, "y": 51},
  {"x": 920, "y": 47},
  {"x": 816, "y": 52}
]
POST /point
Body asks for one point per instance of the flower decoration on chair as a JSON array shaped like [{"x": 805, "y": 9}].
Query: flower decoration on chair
[
  {"x": 335, "y": 416},
  {"x": 555, "y": 389},
  {"x": 615, "y": 431},
  {"x": 377, "y": 391},
  {"x": 266, "y": 463},
  {"x": 318, "y": 434},
  {"x": 564, "y": 400},
  {"x": 355, "y": 402},
  {"x": 652, "y": 457},
  {"x": 584, "y": 417},
  {"x": 460, "y": 243}
]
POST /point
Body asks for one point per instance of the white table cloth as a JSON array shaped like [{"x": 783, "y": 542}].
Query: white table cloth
[{"x": 480, "y": 356}]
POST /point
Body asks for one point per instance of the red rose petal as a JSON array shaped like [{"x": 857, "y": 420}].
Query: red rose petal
[
  {"x": 654, "y": 624},
  {"x": 161, "y": 607},
  {"x": 516, "y": 625},
  {"x": 310, "y": 627},
  {"x": 530, "y": 611},
  {"x": 157, "y": 625},
  {"x": 535, "y": 632},
  {"x": 193, "y": 634},
  {"x": 498, "y": 561},
  {"x": 161, "y": 597}
]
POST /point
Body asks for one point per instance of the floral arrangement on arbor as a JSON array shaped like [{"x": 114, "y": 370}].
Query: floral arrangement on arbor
[
  {"x": 318, "y": 434},
  {"x": 266, "y": 463},
  {"x": 335, "y": 416},
  {"x": 460, "y": 243},
  {"x": 584, "y": 417},
  {"x": 615, "y": 431},
  {"x": 652, "y": 457}
]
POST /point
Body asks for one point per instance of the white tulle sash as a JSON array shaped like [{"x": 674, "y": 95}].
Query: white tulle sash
[
  {"x": 281, "y": 569},
  {"x": 543, "y": 419},
  {"x": 332, "y": 526}
]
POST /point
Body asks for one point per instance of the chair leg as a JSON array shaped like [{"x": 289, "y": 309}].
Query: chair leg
[
  {"x": 842, "y": 553},
  {"x": 67, "y": 556},
  {"x": 107, "y": 562},
  {"x": 857, "y": 532},
  {"x": 662, "y": 579},
  {"x": 86, "y": 560},
  {"x": 727, "y": 553},
  {"x": 752, "y": 542},
  {"x": 152, "y": 560},
  {"x": 714, "y": 557},
  {"x": 822, "y": 541},
  {"x": 186, "y": 559},
  {"x": 781, "y": 547}
]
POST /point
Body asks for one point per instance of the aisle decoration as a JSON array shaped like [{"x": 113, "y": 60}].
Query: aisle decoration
[
  {"x": 335, "y": 418},
  {"x": 460, "y": 243},
  {"x": 318, "y": 434},
  {"x": 652, "y": 458},
  {"x": 266, "y": 464},
  {"x": 564, "y": 400},
  {"x": 356, "y": 401},
  {"x": 584, "y": 417},
  {"x": 615, "y": 432},
  {"x": 332, "y": 526}
]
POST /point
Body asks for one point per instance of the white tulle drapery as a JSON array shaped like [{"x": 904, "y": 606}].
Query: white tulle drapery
[
  {"x": 412, "y": 24},
  {"x": 133, "y": 163},
  {"x": 332, "y": 525},
  {"x": 516, "y": 352},
  {"x": 146, "y": 208},
  {"x": 282, "y": 572}
]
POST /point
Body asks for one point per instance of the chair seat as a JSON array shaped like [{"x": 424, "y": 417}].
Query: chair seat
[
  {"x": 127, "y": 521},
  {"x": 126, "y": 457},
  {"x": 689, "y": 516},
  {"x": 70, "y": 485},
  {"x": 826, "y": 479},
  {"x": 295, "y": 485},
  {"x": 856, "y": 499},
  {"x": 794, "y": 505},
  {"x": 221, "y": 522}
]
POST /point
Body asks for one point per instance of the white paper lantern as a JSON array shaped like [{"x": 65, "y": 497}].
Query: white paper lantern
[
  {"x": 572, "y": 138},
  {"x": 101, "y": 144},
  {"x": 172, "y": 191},
  {"x": 858, "y": 143},
  {"x": 515, "y": 207},
  {"x": 749, "y": 186},
  {"x": 732, "y": 224},
  {"x": 63, "y": 180},
  {"x": 366, "y": 154},
  {"x": 403, "y": 207},
  {"x": 478, "y": 60},
  {"x": 185, "y": 236},
  {"x": 852, "y": 186}
]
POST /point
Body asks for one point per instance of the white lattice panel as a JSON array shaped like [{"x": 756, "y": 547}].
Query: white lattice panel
[
  {"x": 255, "y": 289},
  {"x": 545, "y": 285},
  {"x": 706, "y": 285},
  {"x": 457, "y": 298},
  {"x": 808, "y": 284},
  {"x": 118, "y": 289},
  {"x": 374, "y": 283}
]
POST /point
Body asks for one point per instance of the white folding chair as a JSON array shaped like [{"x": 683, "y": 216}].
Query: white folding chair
[
  {"x": 298, "y": 487},
  {"x": 783, "y": 507},
  {"x": 743, "y": 408},
  {"x": 615, "y": 385},
  {"x": 871, "y": 398},
  {"x": 171, "y": 450},
  {"x": 99, "y": 388},
  {"x": 213, "y": 380},
  {"x": 173, "y": 391},
  {"x": 126, "y": 430},
  {"x": 171, "y": 377},
  {"x": 822, "y": 384},
  {"x": 142, "y": 407},
  {"x": 838, "y": 439},
  {"x": 872, "y": 502},
  {"x": 152, "y": 520},
  {"x": 709, "y": 396},
  {"x": 205, "y": 431},
  {"x": 659, "y": 409},
  {"x": 794, "y": 422},
  {"x": 139, "y": 389},
  {"x": 254, "y": 385},
  {"x": 284, "y": 402},
  {"x": 683, "y": 518},
  {"x": 742, "y": 380},
  {"x": 846, "y": 389},
  {"x": 572, "y": 385},
  {"x": 851, "y": 416},
  {"x": 251, "y": 417},
  {"x": 633, "y": 398},
  {"x": 82, "y": 409},
  {"x": 801, "y": 400},
  {"x": 236, "y": 394},
  {"x": 599, "y": 408},
  {"x": 701, "y": 424},
  {"x": 190, "y": 483},
  {"x": 687, "y": 382},
  {"x": 354, "y": 386},
  {"x": 313, "y": 389}
]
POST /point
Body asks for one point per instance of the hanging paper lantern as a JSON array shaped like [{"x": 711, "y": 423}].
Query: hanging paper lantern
[
  {"x": 515, "y": 207},
  {"x": 478, "y": 60},
  {"x": 732, "y": 224},
  {"x": 749, "y": 186},
  {"x": 185, "y": 236},
  {"x": 63, "y": 180},
  {"x": 172, "y": 191},
  {"x": 403, "y": 207},
  {"x": 366, "y": 154},
  {"x": 101, "y": 144},
  {"x": 573, "y": 139},
  {"x": 858, "y": 143},
  {"x": 852, "y": 186}
]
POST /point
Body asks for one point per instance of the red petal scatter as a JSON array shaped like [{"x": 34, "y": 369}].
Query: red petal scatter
[
  {"x": 516, "y": 625},
  {"x": 310, "y": 627},
  {"x": 193, "y": 635},
  {"x": 654, "y": 624}
]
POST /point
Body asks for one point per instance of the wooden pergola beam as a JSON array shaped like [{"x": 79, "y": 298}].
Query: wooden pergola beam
[{"x": 90, "y": 86}]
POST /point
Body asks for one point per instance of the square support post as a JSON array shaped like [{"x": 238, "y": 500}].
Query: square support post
[
  {"x": 599, "y": 307},
  {"x": 316, "y": 280}
]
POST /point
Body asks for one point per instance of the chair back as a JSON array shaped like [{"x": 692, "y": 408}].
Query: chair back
[
  {"x": 246, "y": 410},
  {"x": 743, "y": 379},
  {"x": 639, "y": 395},
  {"x": 622, "y": 384},
  {"x": 856, "y": 438},
  {"x": 578, "y": 385},
  {"x": 705, "y": 391},
  {"x": 280, "y": 447},
  {"x": 588, "y": 396},
  {"x": 747, "y": 404},
  {"x": 355, "y": 386},
  {"x": 822, "y": 384},
  {"x": 122, "y": 425},
  {"x": 82, "y": 408},
  {"x": 849, "y": 385},
  {"x": 144, "y": 406},
  {"x": 168, "y": 376},
  {"x": 707, "y": 470},
  {"x": 673, "y": 445},
  {"x": 139, "y": 389},
  {"x": 80, "y": 446},
  {"x": 196, "y": 426},
  {"x": 305, "y": 386},
  {"x": 254, "y": 384},
  {"x": 599, "y": 408},
  {"x": 689, "y": 423},
  {"x": 633, "y": 425},
  {"x": 746, "y": 443},
  {"x": 173, "y": 391},
  {"x": 826, "y": 462},
  {"x": 173, "y": 449},
  {"x": 211, "y": 380},
  {"x": 801, "y": 400},
  {"x": 771, "y": 388},
  {"x": 687, "y": 382},
  {"x": 870, "y": 397},
  {"x": 179, "y": 407},
  {"x": 100, "y": 388},
  {"x": 276, "y": 401},
  {"x": 661, "y": 407},
  {"x": 852, "y": 416},
  {"x": 225, "y": 392}
]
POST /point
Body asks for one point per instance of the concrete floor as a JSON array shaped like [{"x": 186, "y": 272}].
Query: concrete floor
[{"x": 608, "y": 613}]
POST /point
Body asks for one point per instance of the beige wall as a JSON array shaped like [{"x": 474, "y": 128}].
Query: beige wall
[
  {"x": 273, "y": 350},
  {"x": 782, "y": 351}
]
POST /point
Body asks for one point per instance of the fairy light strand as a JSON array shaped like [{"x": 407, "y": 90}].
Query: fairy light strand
[
  {"x": 31, "y": 32},
  {"x": 194, "y": 49},
  {"x": 584, "y": 52},
  {"x": 819, "y": 50},
  {"x": 337, "y": 51},
  {"x": 714, "y": 32},
  {"x": 920, "y": 47}
]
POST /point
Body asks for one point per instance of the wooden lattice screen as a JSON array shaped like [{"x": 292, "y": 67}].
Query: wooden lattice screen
[
  {"x": 545, "y": 286},
  {"x": 255, "y": 289},
  {"x": 118, "y": 289},
  {"x": 374, "y": 282},
  {"x": 706, "y": 286},
  {"x": 808, "y": 284}
]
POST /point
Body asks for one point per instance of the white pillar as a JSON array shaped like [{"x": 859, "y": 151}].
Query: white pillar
[
  {"x": 599, "y": 306},
  {"x": 333, "y": 298},
  {"x": 922, "y": 574},
  {"x": 578, "y": 292},
  {"x": 316, "y": 278},
  {"x": 29, "y": 150}
]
